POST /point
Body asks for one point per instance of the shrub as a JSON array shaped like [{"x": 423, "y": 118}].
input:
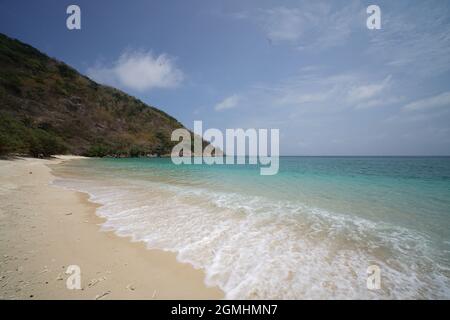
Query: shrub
[
  {"x": 44, "y": 143},
  {"x": 12, "y": 135},
  {"x": 97, "y": 150},
  {"x": 66, "y": 72},
  {"x": 4, "y": 145},
  {"x": 136, "y": 151}
]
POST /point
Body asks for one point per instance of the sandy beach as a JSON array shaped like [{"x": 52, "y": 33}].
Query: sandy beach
[{"x": 44, "y": 229}]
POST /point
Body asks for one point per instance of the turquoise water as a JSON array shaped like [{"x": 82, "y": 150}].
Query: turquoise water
[{"x": 311, "y": 231}]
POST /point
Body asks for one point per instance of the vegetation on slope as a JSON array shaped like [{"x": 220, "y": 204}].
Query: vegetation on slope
[{"x": 47, "y": 107}]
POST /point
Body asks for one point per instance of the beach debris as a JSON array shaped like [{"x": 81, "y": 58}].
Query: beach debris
[
  {"x": 100, "y": 296},
  {"x": 19, "y": 269},
  {"x": 154, "y": 294},
  {"x": 290, "y": 275},
  {"x": 69, "y": 214},
  {"x": 60, "y": 277},
  {"x": 93, "y": 282},
  {"x": 45, "y": 270},
  {"x": 131, "y": 287}
]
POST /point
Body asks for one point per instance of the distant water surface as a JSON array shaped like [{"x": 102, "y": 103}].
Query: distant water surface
[{"x": 310, "y": 231}]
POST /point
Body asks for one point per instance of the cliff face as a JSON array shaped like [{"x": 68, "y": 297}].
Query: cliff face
[{"x": 47, "y": 107}]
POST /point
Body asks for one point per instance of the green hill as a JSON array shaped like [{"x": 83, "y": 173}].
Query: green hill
[{"x": 47, "y": 107}]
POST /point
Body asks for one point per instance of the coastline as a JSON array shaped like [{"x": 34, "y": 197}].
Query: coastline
[{"x": 44, "y": 229}]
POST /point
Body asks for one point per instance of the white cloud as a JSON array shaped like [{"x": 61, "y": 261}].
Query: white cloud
[
  {"x": 228, "y": 103},
  {"x": 139, "y": 71},
  {"x": 437, "y": 101}
]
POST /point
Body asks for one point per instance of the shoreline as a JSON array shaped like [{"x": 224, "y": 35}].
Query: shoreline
[{"x": 45, "y": 228}]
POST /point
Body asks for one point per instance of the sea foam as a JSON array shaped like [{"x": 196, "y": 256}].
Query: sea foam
[{"x": 257, "y": 248}]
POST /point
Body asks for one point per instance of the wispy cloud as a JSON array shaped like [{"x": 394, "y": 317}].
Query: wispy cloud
[
  {"x": 310, "y": 25},
  {"x": 415, "y": 40},
  {"x": 140, "y": 71},
  {"x": 380, "y": 101},
  {"x": 368, "y": 91},
  {"x": 414, "y": 117},
  {"x": 332, "y": 92},
  {"x": 438, "y": 101},
  {"x": 283, "y": 24},
  {"x": 228, "y": 103}
]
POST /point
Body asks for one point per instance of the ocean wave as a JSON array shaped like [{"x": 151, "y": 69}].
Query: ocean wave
[{"x": 257, "y": 248}]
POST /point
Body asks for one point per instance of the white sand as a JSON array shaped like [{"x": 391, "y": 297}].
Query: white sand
[{"x": 44, "y": 229}]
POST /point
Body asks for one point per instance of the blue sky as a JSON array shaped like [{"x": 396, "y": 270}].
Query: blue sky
[{"x": 309, "y": 68}]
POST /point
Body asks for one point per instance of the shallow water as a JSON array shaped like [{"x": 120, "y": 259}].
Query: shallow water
[{"x": 311, "y": 231}]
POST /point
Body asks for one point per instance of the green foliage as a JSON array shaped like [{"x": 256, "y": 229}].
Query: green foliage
[
  {"x": 5, "y": 147},
  {"x": 164, "y": 144},
  {"x": 44, "y": 143},
  {"x": 98, "y": 150},
  {"x": 103, "y": 150},
  {"x": 93, "y": 85},
  {"x": 17, "y": 137},
  {"x": 13, "y": 135},
  {"x": 66, "y": 72},
  {"x": 11, "y": 82},
  {"x": 136, "y": 151}
]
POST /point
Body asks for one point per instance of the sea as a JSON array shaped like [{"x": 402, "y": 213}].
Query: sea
[{"x": 322, "y": 228}]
